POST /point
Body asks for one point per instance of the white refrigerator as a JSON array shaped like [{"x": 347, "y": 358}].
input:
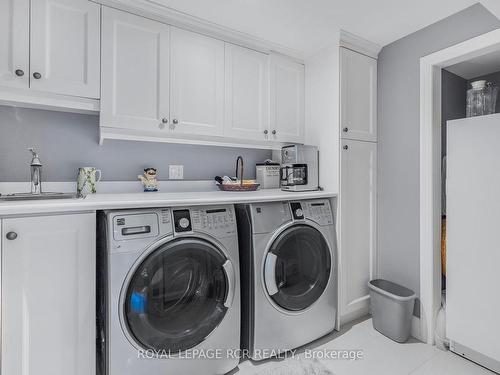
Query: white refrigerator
[{"x": 473, "y": 239}]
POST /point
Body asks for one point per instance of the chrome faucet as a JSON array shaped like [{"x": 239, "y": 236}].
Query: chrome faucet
[
  {"x": 239, "y": 163},
  {"x": 36, "y": 173}
]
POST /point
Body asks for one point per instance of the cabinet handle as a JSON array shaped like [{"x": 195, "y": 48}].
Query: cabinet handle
[
  {"x": 346, "y": 147},
  {"x": 19, "y": 72},
  {"x": 164, "y": 120},
  {"x": 266, "y": 132},
  {"x": 175, "y": 121},
  {"x": 37, "y": 75},
  {"x": 274, "y": 132},
  {"x": 345, "y": 130},
  {"x": 11, "y": 236}
]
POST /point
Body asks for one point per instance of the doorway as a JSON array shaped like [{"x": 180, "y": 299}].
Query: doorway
[{"x": 431, "y": 201}]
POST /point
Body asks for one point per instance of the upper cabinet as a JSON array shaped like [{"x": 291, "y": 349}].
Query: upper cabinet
[
  {"x": 65, "y": 47},
  {"x": 135, "y": 72},
  {"x": 247, "y": 94},
  {"x": 287, "y": 100},
  {"x": 196, "y": 84},
  {"x": 358, "y": 105},
  {"x": 14, "y": 43},
  {"x": 162, "y": 83},
  {"x": 147, "y": 79},
  {"x": 52, "y": 46}
]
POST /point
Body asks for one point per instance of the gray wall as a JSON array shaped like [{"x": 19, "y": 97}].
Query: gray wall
[
  {"x": 67, "y": 141},
  {"x": 398, "y": 111}
]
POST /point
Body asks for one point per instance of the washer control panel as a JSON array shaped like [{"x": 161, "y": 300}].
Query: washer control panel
[{"x": 216, "y": 220}]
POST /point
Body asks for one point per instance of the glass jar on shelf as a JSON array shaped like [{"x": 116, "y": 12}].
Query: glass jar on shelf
[
  {"x": 476, "y": 99},
  {"x": 481, "y": 99},
  {"x": 490, "y": 98}
]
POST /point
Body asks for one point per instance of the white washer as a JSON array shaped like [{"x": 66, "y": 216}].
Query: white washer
[
  {"x": 289, "y": 278},
  {"x": 171, "y": 291}
]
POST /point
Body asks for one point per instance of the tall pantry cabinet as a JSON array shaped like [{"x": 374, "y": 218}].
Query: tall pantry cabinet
[{"x": 358, "y": 176}]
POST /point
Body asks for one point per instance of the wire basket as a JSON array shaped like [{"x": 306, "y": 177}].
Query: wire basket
[{"x": 238, "y": 187}]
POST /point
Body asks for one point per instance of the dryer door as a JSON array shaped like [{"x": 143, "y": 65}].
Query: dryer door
[
  {"x": 297, "y": 267},
  {"x": 177, "y": 295}
]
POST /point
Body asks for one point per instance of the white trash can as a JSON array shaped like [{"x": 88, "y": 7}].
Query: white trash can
[{"x": 392, "y": 309}]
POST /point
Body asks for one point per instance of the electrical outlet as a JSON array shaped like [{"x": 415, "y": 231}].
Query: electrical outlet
[{"x": 176, "y": 172}]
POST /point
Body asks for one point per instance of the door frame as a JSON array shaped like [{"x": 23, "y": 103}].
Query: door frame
[{"x": 430, "y": 170}]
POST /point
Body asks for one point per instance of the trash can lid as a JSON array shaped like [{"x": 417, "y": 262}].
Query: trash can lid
[{"x": 391, "y": 289}]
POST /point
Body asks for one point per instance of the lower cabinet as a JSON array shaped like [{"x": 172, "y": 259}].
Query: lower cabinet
[
  {"x": 48, "y": 295},
  {"x": 358, "y": 226}
]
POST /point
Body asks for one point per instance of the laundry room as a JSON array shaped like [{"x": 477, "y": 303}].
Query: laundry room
[{"x": 213, "y": 187}]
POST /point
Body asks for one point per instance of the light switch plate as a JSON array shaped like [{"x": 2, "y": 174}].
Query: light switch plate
[{"x": 176, "y": 172}]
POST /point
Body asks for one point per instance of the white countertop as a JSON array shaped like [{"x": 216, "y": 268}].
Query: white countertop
[{"x": 160, "y": 199}]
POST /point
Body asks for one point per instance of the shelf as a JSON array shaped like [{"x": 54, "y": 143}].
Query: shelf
[{"x": 109, "y": 133}]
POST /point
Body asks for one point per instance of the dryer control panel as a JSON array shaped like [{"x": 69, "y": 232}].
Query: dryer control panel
[
  {"x": 215, "y": 220},
  {"x": 318, "y": 211}
]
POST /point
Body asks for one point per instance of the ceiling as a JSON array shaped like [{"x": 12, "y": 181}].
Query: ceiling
[
  {"x": 309, "y": 25},
  {"x": 477, "y": 67}
]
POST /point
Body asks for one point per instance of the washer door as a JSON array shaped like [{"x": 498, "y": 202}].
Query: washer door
[
  {"x": 178, "y": 295},
  {"x": 297, "y": 267}
]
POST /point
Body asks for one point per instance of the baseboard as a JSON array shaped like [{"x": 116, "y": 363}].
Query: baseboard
[
  {"x": 347, "y": 318},
  {"x": 415, "y": 328}
]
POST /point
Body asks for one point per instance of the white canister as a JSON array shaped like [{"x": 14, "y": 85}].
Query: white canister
[{"x": 268, "y": 174}]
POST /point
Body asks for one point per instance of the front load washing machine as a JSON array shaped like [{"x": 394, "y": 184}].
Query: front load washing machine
[
  {"x": 289, "y": 278},
  {"x": 170, "y": 301}
]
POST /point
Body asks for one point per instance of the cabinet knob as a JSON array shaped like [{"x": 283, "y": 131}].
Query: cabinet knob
[
  {"x": 37, "y": 75},
  {"x": 175, "y": 121},
  {"x": 11, "y": 236},
  {"x": 346, "y": 147},
  {"x": 164, "y": 120},
  {"x": 19, "y": 72},
  {"x": 345, "y": 130},
  {"x": 274, "y": 132},
  {"x": 266, "y": 132}
]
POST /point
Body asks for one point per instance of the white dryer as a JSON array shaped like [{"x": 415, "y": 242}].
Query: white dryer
[
  {"x": 171, "y": 302},
  {"x": 289, "y": 278}
]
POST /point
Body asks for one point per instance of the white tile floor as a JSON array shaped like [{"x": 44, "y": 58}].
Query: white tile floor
[{"x": 380, "y": 356}]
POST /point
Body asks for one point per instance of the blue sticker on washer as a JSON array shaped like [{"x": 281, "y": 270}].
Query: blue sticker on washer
[{"x": 138, "y": 303}]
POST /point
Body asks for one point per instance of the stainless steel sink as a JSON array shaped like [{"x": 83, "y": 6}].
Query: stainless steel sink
[{"x": 42, "y": 196}]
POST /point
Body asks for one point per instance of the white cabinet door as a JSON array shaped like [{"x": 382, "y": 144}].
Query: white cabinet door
[
  {"x": 135, "y": 72},
  {"x": 65, "y": 47},
  {"x": 287, "y": 100},
  {"x": 48, "y": 295},
  {"x": 247, "y": 94},
  {"x": 14, "y": 43},
  {"x": 197, "y": 84},
  {"x": 358, "y": 226},
  {"x": 358, "y": 104},
  {"x": 472, "y": 251}
]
